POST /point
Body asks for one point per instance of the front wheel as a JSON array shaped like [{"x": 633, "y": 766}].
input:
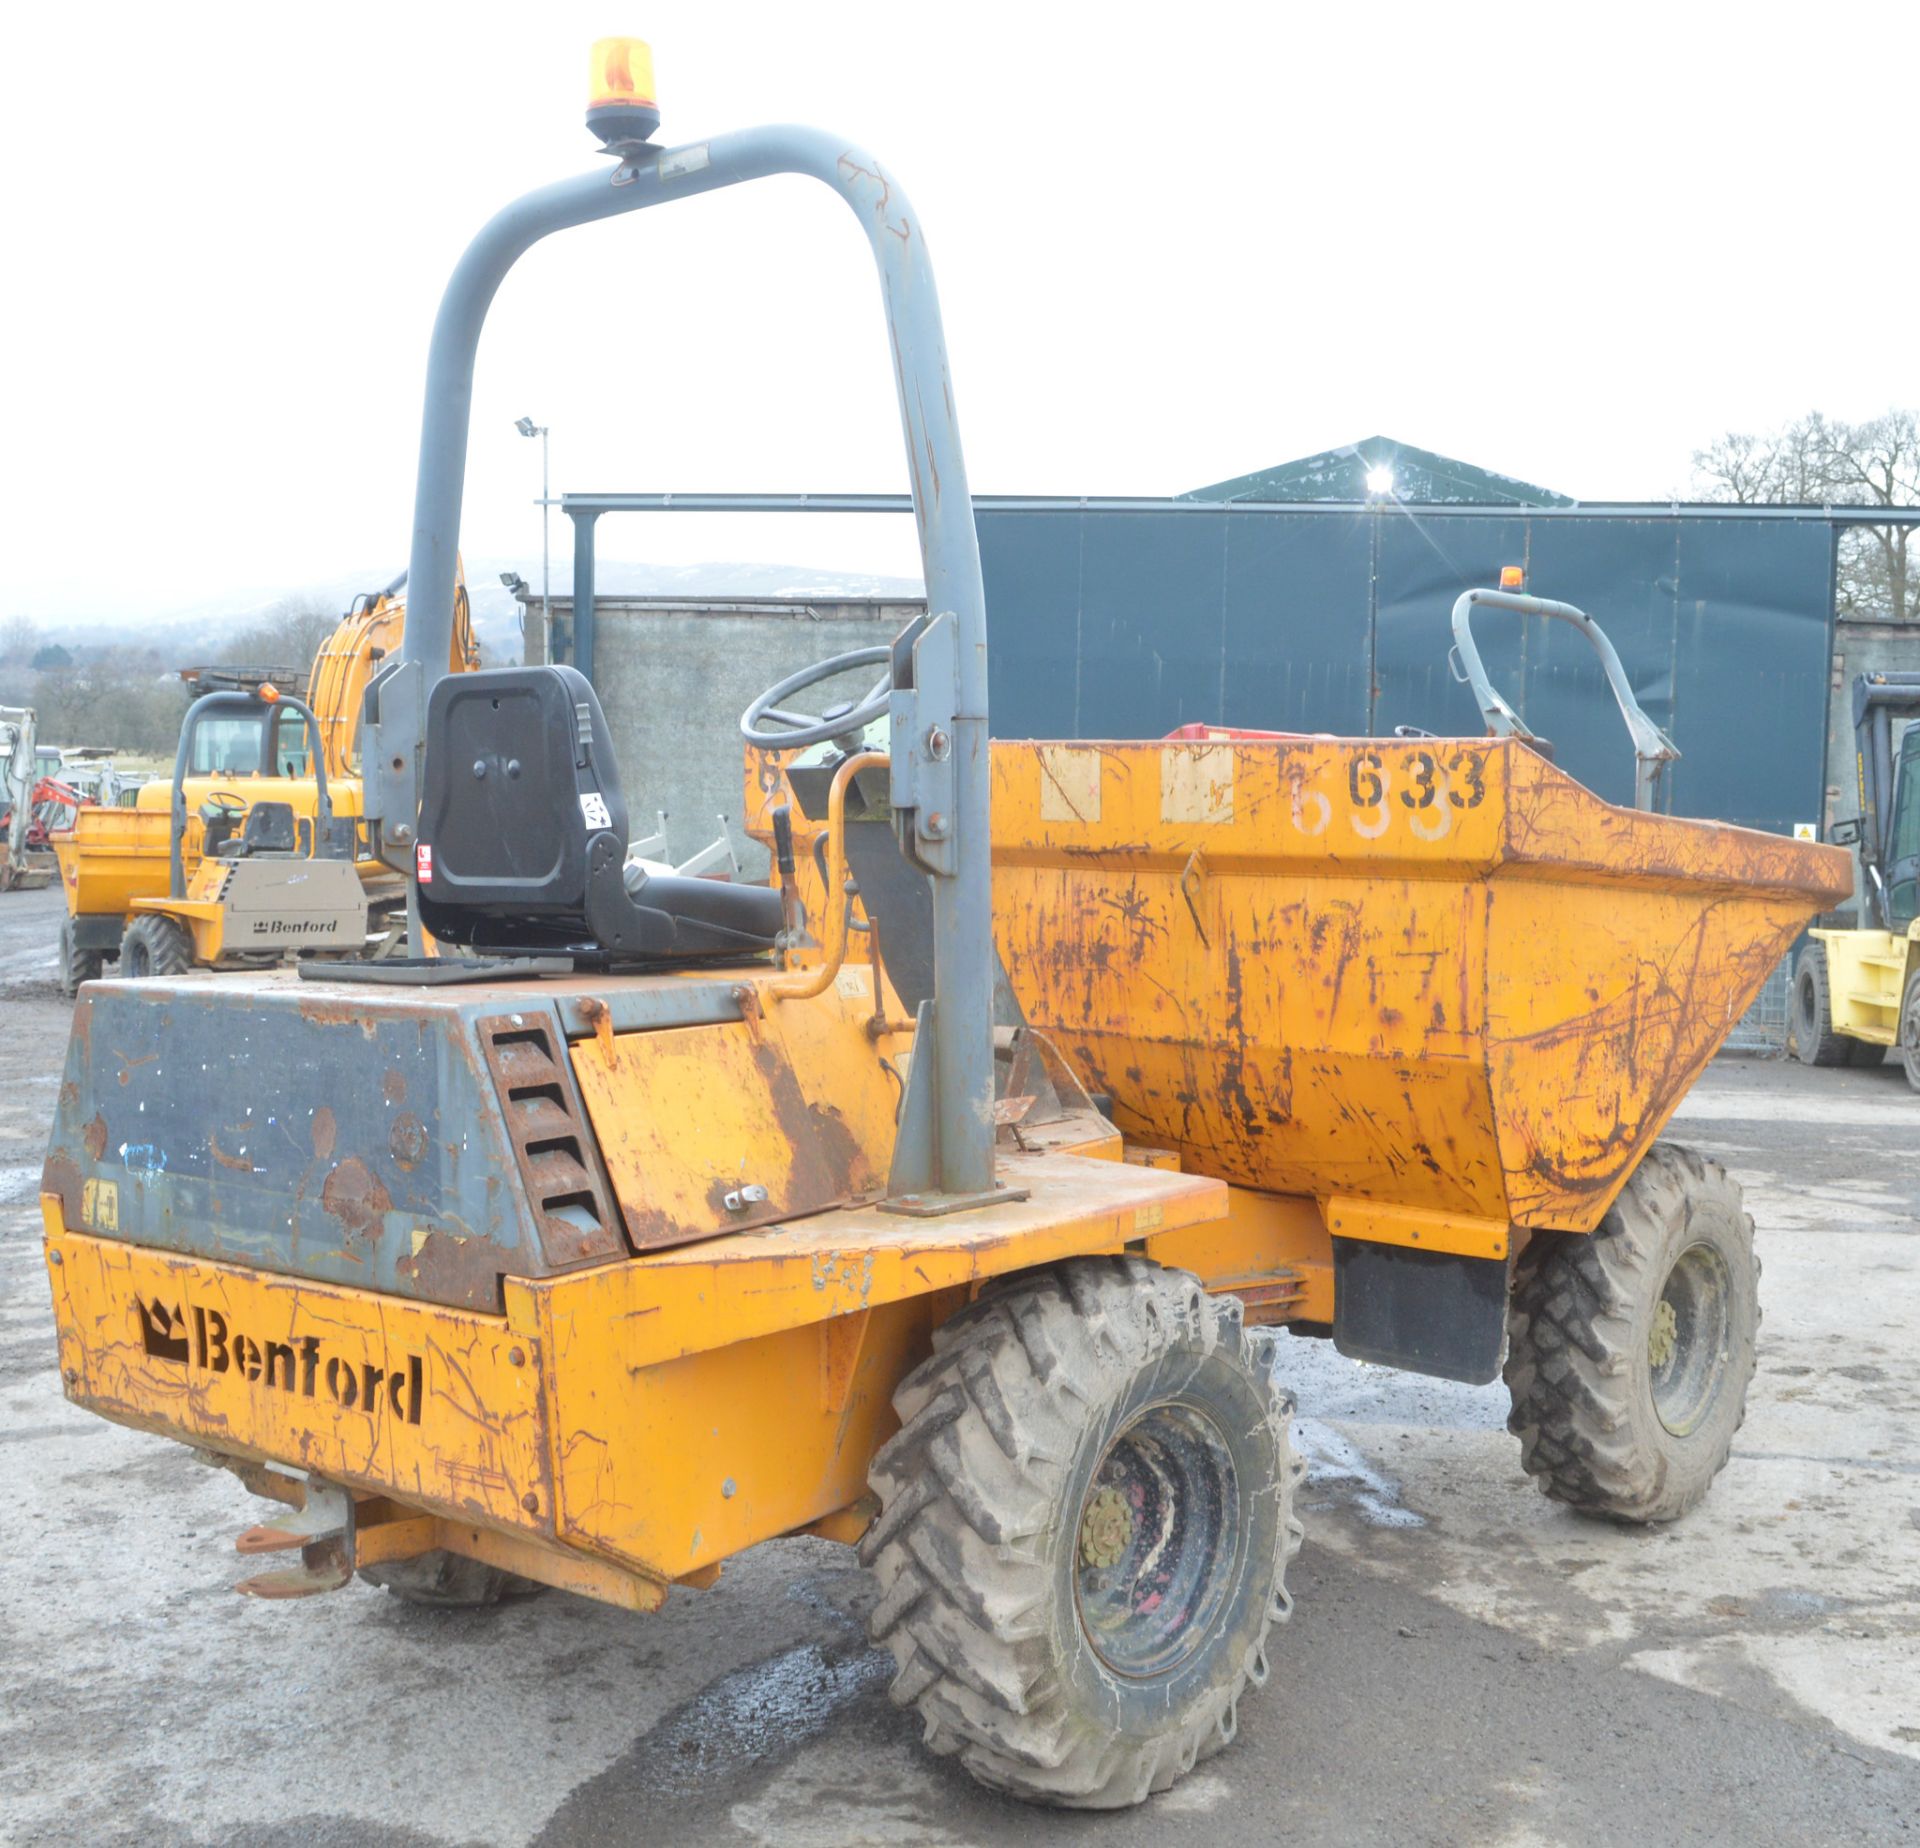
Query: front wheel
[
  {"x": 76, "y": 965},
  {"x": 1910, "y": 1031},
  {"x": 1814, "y": 1038},
  {"x": 1085, "y": 1525},
  {"x": 1630, "y": 1349},
  {"x": 154, "y": 945}
]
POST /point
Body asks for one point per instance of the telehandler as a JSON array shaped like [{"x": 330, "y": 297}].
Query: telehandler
[
  {"x": 638, "y": 1237},
  {"x": 1856, "y": 993}
]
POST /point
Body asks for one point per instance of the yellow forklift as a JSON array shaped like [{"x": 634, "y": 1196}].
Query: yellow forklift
[
  {"x": 649, "y": 1231},
  {"x": 1856, "y": 993}
]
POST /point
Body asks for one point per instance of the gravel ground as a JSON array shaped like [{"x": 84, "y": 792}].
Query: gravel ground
[{"x": 1467, "y": 1662}]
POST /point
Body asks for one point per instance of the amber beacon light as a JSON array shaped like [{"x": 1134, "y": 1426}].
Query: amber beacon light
[{"x": 621, "y": 108}]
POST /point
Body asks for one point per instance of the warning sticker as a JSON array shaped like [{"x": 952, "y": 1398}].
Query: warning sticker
[{"x": 593, "y": 805}]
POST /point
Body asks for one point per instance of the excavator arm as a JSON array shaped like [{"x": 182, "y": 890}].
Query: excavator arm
[{"x": 349, "y": 657}]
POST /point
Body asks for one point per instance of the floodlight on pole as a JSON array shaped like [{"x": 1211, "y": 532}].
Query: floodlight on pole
[{"x": 527, "y": 427}]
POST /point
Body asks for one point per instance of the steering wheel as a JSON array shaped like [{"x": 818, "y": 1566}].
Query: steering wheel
[
  {"x": 224, "y": 800},
  {"x": 788, "y": 731}
]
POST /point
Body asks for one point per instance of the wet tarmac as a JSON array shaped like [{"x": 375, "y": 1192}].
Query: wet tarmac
[{"x": 1467, "y": 1662}]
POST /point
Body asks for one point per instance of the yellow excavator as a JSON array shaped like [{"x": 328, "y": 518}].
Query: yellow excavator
[{"x": 256, "y": 848}]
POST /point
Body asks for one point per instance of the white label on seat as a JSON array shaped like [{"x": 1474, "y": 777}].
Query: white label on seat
[{"x": 593, "y": 806}]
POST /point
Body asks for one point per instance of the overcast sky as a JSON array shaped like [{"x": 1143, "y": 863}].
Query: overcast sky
[{"x": 1570, "y": 243}]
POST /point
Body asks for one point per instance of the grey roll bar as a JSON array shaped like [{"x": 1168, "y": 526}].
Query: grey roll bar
[
  {"x": 1653, "y": 750},
  {"x": 941, "y": 805},
  {"x": 232, "y": 698}
]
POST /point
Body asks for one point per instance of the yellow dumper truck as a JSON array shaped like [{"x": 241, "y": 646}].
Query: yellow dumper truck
[
  {"x": 638, "y": 1237},
  {"x": 256, "y": 849}
]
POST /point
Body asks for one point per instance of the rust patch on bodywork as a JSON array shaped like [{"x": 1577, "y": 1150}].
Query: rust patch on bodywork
[
  {"x": 828, "y": 1164},
  {"x": 94, "y": 1137},
  {"x": 447, "y": 1268},
  {"x": 354, "y": 1196},
  {"x": 407, "y": 1141},
  {"x": 323, "y": 1134},
  {"x": 239, "y": 1163}
]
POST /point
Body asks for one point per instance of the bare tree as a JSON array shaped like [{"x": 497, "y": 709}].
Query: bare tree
[
  {"x": 1822, "y": 461},
  {"x": 19, "y": 638},
  {"x": 286, "y": 638}
]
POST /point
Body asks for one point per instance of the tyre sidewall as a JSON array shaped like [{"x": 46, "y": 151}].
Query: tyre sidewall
[
  {"x": 1715, "y": 1218},
  {"x": 1909, "y": 1032},
  {"x": 1251, "y": 1422},
  {"x": 1806, "y": 1022}
]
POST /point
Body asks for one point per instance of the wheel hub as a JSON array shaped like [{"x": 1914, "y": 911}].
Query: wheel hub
[
  {"x": 1157, "y": 1542},
  {"x": 1661, "y": 1337},
  {"x": 1105, "y": 1531},
  {"x": 1687, "y": 1339}
]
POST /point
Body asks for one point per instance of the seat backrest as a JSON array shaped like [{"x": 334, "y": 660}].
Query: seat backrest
[
  {"x": 520, "y": 783},
  {"x": 269, "y": 829},
  {"x": 523, "y": 833}
]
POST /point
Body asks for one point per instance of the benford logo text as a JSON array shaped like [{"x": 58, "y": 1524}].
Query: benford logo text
[{"x": 302, "y": 1366}]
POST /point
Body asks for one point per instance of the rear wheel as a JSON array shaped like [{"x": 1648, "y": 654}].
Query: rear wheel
[
  {"x": 1813, "y": 1036},
  {"x": 1910, "y": 1031},
  {"x": 1085, "y": 1524},
  {"x": 155, "y": 945},
  {"x": 1629, "y": 1351},
  {"x": 448, "y": 1581},
  {"x": 76, "y": 965}
]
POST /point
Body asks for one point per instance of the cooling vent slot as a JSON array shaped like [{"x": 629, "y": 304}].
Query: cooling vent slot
[{"x": 558, "y": 1167}]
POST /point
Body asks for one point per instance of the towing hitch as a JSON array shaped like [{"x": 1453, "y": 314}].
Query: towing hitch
[{"x": 322, "y": 1531}]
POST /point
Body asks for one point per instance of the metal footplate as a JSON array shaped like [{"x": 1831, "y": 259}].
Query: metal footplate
[{"x": 323, "y": 1533}]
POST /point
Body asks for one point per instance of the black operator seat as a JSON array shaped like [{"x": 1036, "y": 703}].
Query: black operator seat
[
  {"x": 269, "y": 829},
  {"x": 523, "y": 835}
]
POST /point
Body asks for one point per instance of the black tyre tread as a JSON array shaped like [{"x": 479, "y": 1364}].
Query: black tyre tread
[
  {"x": 1570, "y": 1323},
  {"x": 169, "y": 950},
  {"x": 76, "y": 965},
  {"x": 1814, "y": 1037},
  {"x": 1909, "y": 1031},
  {"x": 967, "y": 1487},
  {"x": 448, "y": 1581}
]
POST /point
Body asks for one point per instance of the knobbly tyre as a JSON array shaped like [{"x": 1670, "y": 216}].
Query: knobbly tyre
[{"x": 644, "y": 1232}]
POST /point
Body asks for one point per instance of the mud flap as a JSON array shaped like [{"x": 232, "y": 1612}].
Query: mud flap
[{"x": 1426, "y": 1311}]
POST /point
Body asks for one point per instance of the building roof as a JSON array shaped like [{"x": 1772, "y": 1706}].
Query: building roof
[{"x": 1419, "y": 476}]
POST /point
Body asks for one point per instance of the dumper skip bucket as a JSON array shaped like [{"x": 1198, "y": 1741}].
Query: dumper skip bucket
[{"x": 1431, "y": 974}]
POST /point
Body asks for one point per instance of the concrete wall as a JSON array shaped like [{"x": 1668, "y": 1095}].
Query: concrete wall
[
  {"x": 674, "y": 676},
  {"x": 1860, "y": 648}
]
